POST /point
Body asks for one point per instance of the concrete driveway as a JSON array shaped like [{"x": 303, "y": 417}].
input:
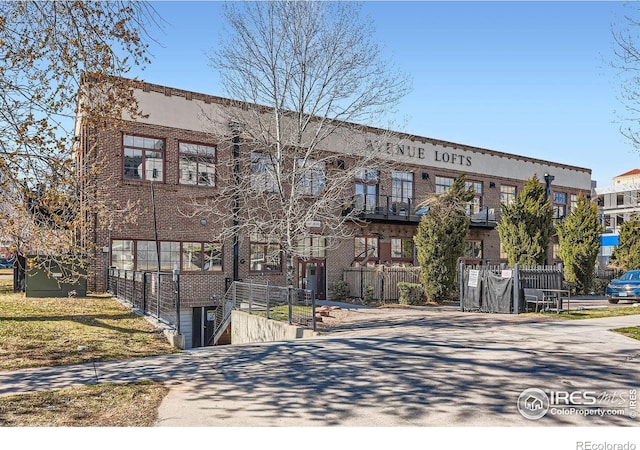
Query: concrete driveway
[
  {"x": 381, "y": 368},
  {"x": 409, "y": 367}
]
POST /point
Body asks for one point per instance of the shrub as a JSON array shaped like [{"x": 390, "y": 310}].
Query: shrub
[
  {"x": 368, "y": 295},
  {"x": 339, "y": 290},
  {"x": 410, "y": 293}
]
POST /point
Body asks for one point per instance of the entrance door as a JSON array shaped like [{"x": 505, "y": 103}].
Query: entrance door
[
  {"x": 312, "y": 275},
  {"x": 203, "y": 325}
]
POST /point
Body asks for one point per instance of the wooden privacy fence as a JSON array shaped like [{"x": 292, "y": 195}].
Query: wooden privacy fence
[{"x": 384, "y": 280}]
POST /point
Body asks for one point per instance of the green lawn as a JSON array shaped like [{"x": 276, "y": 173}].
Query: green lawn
[
  {"x": 37, "y": 332},
  {"x": 632, "y": 332},
  {"x": 597, "y": 313}
]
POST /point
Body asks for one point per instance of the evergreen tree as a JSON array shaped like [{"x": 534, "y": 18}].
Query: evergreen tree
[
  {"x": 626, "y": 255},
  {"x": 440, "y": 239},
  {"x": 526, "y": 225},
  {"x": 579, "y": 237}
]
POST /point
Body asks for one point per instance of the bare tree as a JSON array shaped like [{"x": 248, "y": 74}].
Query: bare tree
[
  {"x": 49, "y": 50},
  {"x": 627, "y": 62},
  {"x": 305, "y": 73}
]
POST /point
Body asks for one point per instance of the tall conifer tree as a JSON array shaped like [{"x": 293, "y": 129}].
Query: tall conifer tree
[
  {"x": 440, "y": 239},
  {"x": 526, "y": 225},
  {"x": 579, "y": 238}
]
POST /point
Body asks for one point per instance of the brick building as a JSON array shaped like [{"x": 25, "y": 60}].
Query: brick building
[{"x": 173, "y": 155}]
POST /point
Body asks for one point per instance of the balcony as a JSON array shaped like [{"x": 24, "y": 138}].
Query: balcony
[{"x": 384, "y": 209}]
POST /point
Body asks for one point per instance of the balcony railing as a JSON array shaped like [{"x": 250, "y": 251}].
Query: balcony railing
[
  {"x": 384, "y": 208},
  {"x": 388, "y": 209}
]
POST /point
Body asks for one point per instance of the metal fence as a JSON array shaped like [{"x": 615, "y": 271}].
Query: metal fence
[
  {"x": 292, "y": 305},
  {"x": 143, "y": 290},
  {"x": 481, "y": 288},
  {"x": 384, "y": 280},
  {"x": 541, "y": 277}
]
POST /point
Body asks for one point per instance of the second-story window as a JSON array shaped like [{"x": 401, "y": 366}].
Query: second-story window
[
  {"x": 442, "y": 184},
  {"x": 312, "y": 178},
  {"x": 574, "y": 202},
  {"x": 507, "y": 194},
  {"x": 475, "y": 205},
  {"x": 143, "y": 158},
  {"x": 197, "y": 164},
  {"x": 402, "y": 188},
  {"x": 366, "y": 189},
  {"x": 559, "y": 205},
  {"x": 263, "y": 176}
]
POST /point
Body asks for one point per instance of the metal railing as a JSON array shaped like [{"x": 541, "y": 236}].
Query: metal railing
[
  {"x": 385, "y": 207},
  {"x": 292, "y": 305},
  {"x": 143, "y": 290}
]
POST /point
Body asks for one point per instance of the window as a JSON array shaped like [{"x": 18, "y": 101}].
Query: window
[
  {"x": 574, "y": 201},
  {"x": 475, "y": 205},
  {"x": 559, "y": 205},
  {"x": 122, "y": 254},
  {"x": 212, "y": 257},
  {"x": 401, "y": 189},
  {"x": 265, "y": 255},
  {"x": 366, "y": 189},
  {"x": 195, "y": 256},
  {"x": 263, "y": 177},
  {"x": 402, "y": 249},
  {"x": 143, "y": 158},
  {"x": 507, "y": 194},
  {"x": 620, "y": 200},
  {"x": 473, "y": 250},
  {"x": 313, "y": 247},
  {"x": 555, "y": 251},
  {"x": 312, "y": 177},
  {"x": 197, "y": 164},
  {"x": 169, "y": 255},
  {"x": 199, "y": 256},
  {"x": 442, "y": 184},
  {"x": 366, "y": 248},
  {"x": 146, "y": 255}
]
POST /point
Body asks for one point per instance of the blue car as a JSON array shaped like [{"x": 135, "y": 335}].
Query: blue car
[{"x": 627, "y": 287}]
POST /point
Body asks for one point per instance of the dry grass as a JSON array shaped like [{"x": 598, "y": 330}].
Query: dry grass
[
  {"x": 632, "y": 332},
  {"x": 105, "y": 405},
  {"x": 38, "y": 332}
]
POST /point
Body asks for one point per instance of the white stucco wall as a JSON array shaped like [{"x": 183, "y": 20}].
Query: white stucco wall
[{"x": 179, "y": 112}]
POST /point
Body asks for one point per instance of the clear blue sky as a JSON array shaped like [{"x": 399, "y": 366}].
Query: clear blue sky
[{"x": 530, "y": 78}]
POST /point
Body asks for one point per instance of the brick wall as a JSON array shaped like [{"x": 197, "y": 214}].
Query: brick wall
[{"x": 173, "y": 226}]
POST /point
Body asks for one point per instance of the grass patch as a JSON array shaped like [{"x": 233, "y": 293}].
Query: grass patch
[
  {"x": 103, "y": 405},
  {"x": 39, "y": 332},
  {"x": 281, "y": 312},
  {"x": 632, "y": 332},
  {"x": 596, "y": 313}
]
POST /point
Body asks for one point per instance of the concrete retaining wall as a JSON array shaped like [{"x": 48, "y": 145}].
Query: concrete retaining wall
[{"x": 247, "y": 328}]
